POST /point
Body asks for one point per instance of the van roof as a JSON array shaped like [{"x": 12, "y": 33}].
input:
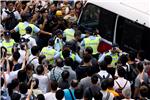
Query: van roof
[{"x": 135, "y": 10}]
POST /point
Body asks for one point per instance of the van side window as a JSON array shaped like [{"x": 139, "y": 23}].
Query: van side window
[
  {"x": 94, "y": 16},
  {"x": 132, "y": 36}
]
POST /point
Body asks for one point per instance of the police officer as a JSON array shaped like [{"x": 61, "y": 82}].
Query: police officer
[
  {"x": 22, "y": 26},
  {"x": 30, "y": 41},
  {"x": 58, "y": 44},
  {"x": 92, "y": 41},
  {"x": 50, "y": 52},
  {"x": 8, "y": 42},
  {"x": 114, "y": 53},
  {"x": 69, "y": 32}
]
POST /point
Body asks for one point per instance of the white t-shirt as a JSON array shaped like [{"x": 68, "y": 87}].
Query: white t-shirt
[
  {"x": 121, "y": 81},
  {"x": 50, "y": 96},
  {"x": 12, "y": 75},
  {"x": 32, "y": 41},
  {"x": 104, "y": 73},
  {"x": 22, "y": 56},
  {"x": 43, "y": 82},
  {"x": 34, "y": 61},
  {"x": 105, "y": 93}
]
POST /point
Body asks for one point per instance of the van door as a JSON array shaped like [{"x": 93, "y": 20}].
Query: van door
[
  {"x": 96, "y": 17},
  {"x": 132, "y": 36}
]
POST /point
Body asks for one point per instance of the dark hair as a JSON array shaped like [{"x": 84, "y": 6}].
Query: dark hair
[
  {"x": 40, "y": 97},
  {"x": 77, "y": 33},
  {"x": 89, "y": 50},
  {"x": 86, "y": 58},
  {"x": 140, "y": 67},
  {"x": 34, "y": 50},
  {"x": 103, "y": 65},
  {"x": 2, "y": 82},
  {"x": 29, "y": 67},
  {"x": 22, "y": 76},
  {"x": 59, "y": 62},
  {"x": 36, "y": 85},
  {"x": 28, "y": 29},
  {"x": 108, "y": 59},
  {"x": 121, "y": 71},
  {"x": 94, "y": 79},
  {"x": 54, "y": 85},
  {"x": 77, "y": 3},
  {"x": 23, "y": 88},
  {"x": 74, "y": 83},
  {"x": 2, "y": 47},
  {"x": 132, "y": 56},
  {"x": 40, "y": 69},
  {"x": 68, "y": 61},
  {"x": 59, "y": 94},
  {"x": 8, "y": 2},
  {"x": 41, "y": 57},
  {"x": 78, "y": 93},
  {"x": 65, "y": 74},
  {"x": 14, "y": 83},
  {"x": 144, "y": 91},
  {"x": 123, "y": 59},
  {"x": 15, "y": 96},
  {"x": 11, "y": 65},
  {"x": 110, "y": 82},
  {"x": 104, "y": 84},
  {"x": 66, "y": 53},
  {"x": 141, "y": 54}
]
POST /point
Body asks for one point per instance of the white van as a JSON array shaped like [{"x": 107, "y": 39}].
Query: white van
[{"x": 126, "y": 23}]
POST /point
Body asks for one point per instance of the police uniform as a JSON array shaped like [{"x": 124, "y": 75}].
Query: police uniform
[
  {"x": 49, "y": 52},
  {"x": 8, "y": 44},
  {"x": 22, "y": 26},
  {"x": 69, "y": 34},
  {"x": 58, "y": 43}
]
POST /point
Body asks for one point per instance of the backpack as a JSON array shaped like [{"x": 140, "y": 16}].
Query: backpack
[
  {"x": 119, "y": 90},
  {"x": 11, "y": 22},
  {"x": 103, "y": 78}
]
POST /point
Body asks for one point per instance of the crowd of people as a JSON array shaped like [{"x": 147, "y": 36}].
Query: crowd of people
[{"x": 45, "y": 56}]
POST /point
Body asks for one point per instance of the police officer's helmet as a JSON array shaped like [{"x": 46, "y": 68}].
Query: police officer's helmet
[
  {"x": 7, "y": 34},
  {"x": 58, "y": 31},
  {"x": 23, "y": 40}
]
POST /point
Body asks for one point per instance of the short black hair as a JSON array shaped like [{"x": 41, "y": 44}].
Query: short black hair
[
  {"x": 14, "y": 83},
  {"x": 103, "y": 65},
  {"x": 15, "y": 96},
  {"x": 28, "y": 29},
  {"x": 74, "y": 83},
  {"x": 108, "y": 59},
  {"x": 36, "y": 85},
  {"x": 121, "y": 71},
  {"x": 66, "y": 53},
  {"x": 141, "y": 54},
  {"x": 40, "y": 97},
  {"x": 140, "y": 67},
  {"x": 78, "y": 93},
  {"x": 132, "y": 56},
  {"x": 2, "y": 81},
  {"x": 41, "y": 57},
  {"x": 23, "y": 88},
  {"x": 8, "y": 2},
  {"x": 123, "y": 59},
  {"x": 68, "y": 61},
  {"x": 144, "y": 91},
  {"x": 104, "y": 84},
  {"x": 54, "y": 85},
  {"x": 94, "y": 79},
  {"x": 65, "y": 74},
  {"x": 16, "y": 56},
  {"x": 87, "y": 58},
  {"x": 29, "y": 67},
  {"x": 59, "y": 62},
  {"x": 59, "y": 94},
  {"x": 110, "y": 82},
  {"x": 34, "y": 50},
  {"x": 40, "y": 69},
  {"x": 22, "y": 76},
  {"x": 89, "y": 50}
]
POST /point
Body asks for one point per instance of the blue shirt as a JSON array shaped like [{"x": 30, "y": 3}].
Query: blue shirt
[{"x": 68, "y": 95}]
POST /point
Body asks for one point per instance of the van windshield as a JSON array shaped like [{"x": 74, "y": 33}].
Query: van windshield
[{"x": 97, "y": 17}]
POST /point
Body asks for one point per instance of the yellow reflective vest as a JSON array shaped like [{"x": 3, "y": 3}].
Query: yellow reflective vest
[
  {"x": 8, "y": 45},
  {"x": 22, "y": 28},
  {"x": 69, "y": 33},
  {"x": 72, "y": 56},
  {"x": 115, "y": 58},
  {"x": 49, "y": 53},
  {"x": 92, "y": 43}
]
